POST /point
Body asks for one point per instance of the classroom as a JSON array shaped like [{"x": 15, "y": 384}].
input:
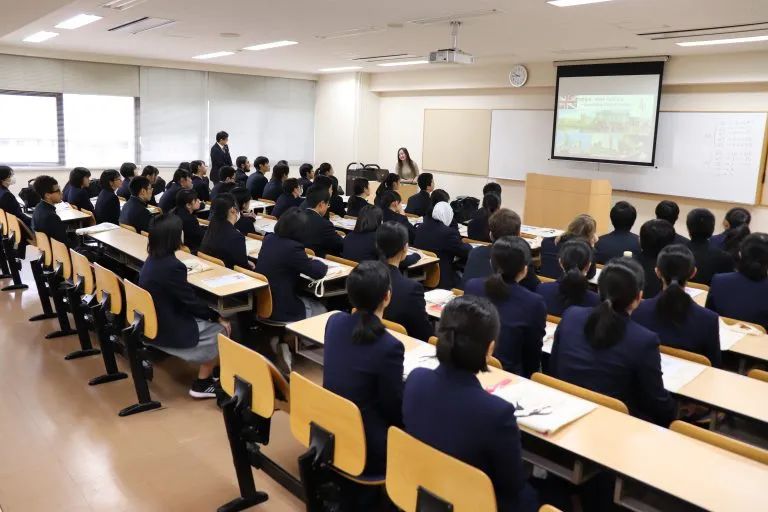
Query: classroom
[{"x": 408, "y": 256}]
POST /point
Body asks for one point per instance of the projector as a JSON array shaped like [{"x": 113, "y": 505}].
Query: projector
[{"x": 450, "y": 56}]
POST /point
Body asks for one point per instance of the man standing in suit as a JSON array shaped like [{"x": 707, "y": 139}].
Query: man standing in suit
[{"x": 220, "y": 155}]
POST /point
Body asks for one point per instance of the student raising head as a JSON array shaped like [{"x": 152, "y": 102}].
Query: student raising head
[
  {"x": 654, "y": 236},
  {"x": 243, "y": 199},
  {"x": 709, "y": 260},
  {"x": 107, "y": 207},
  {"x": 419, "y": 204},
  {"x": 306, "y": 177},
  {"x": 134, "y": 212},
  {"x": 187, "y": 204},
  {"x": 360, "y": 244},
  {"x": 621, "y": 239},
  {"x": 390, "y": 183},
  {"x": 448, "y": 409},
  {"x": 604, "y": 350},
  {"x": 45, "y": 219},
  {"x": 477, "y": 228},
  {"x": 669, "y": 211},
  {"x": 744, "y": 294},
  {"x": 257, "y": 180},
  {"x": 76, "y": 191},
  {"x": 582, "y": 226},
  {"x": 274, "y": 187},
  {"x": 291, "y": 196},
  {"x": 572, "y": 289},
  {"x": 436, "y": 234},
  {"x": 182, "y": 180},
  {"x": 680, "y": 322},
  {"x": 221, "y": 239},
  {"x": 360, "y": 191}
]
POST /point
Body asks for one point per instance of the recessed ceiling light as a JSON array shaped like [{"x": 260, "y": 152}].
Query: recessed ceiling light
[
  {"x": 212, "y": 55},
  {"x": 343, "y": 68},
  {"x": 78, "y": 21},
  {"x": 734, "y": 40},
  {"x": 571, "y": 3},
  {"x": 39, "y": 37},
  {"x": 267, "y": 46},
  {"x": 403, "y": 63}
]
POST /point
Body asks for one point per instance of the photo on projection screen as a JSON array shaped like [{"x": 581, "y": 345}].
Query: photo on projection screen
[{"x": 607, "y": 113}]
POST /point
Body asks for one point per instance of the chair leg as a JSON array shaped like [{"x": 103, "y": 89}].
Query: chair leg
[
  {"x": 107, "y": 349},
  {"x": 61, "y": 310},
  {"x": 5, "y": 271},
  {"x": 10, "y": 254},
  {"x": 76, "y": 306},
  {"x": 145, "y": 402},
  {"x": 42, "y": 292}
]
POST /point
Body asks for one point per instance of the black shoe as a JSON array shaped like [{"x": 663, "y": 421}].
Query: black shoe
[{"x": 203, "y": 388}]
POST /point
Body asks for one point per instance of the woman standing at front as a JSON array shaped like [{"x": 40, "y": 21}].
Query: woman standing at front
[{"x": 406, "y": 168}]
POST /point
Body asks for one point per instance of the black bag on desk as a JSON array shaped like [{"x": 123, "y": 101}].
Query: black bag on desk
[
  {"x": 29, "y": 196},
  {"x": 464, "y": 207}
]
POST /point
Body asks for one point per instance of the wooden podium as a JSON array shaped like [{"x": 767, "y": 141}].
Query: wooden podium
[{"x": 553, "y": 201}]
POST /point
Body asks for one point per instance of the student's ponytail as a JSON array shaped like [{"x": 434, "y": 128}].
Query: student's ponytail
[
  {"x": 367, "y": 288},
  {"x": 620, "y": 282},
  {"x": 575, "y": 257},
  {"x": 510, "y": 255},
  {"x": 368, "y": 328},
  {"x": 754, "y": 257},
  {"x": 676, "y": 265},
  {"x": 733, "y": 239}
]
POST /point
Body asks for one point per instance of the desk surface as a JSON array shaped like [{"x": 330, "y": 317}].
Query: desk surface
[
  {"x": 676, "y": 464},
  {"x": 752, "y": 346},
  {"x": 71, "y": 215}
]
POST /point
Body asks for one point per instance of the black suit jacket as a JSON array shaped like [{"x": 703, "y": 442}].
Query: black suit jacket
[
  {"x": 193, "y": 231},
  {"x": 419, "y": 204},
  {"x": 709, "y": 261},
  {"x": 227, "y": 244},
  {"x": 216, "y": 190},
  {"x": 200, "y": 186},
  {"x": 168, "y": 201},
  {"x": 107, "y": 207},
  {"x": 256, "y": 183},
  {"x": 320, "y": 235},
  {"x": 10, "y": 205},
  {"x": 613, "y": 245},
  {"x": 354, "y": 205},
  {"x": 80, "y": 197},
  {"x": 241, "y": 177},
  {"x": 245, "y": 225},
  {"x": 135, "y": 214},
  {"x": 408, "y": 307},
  {"x": 125, "y": 189},
  {"x": 477, "y": 228},
  {"x": 219, "y": 158},
  {"x": 272, "y": 190},
  {"x": 46, "y": 220},
  {"x": 360, "y": 246},
  {"x": 284, "y": 202},
  {"x": 445, "y": 241}
]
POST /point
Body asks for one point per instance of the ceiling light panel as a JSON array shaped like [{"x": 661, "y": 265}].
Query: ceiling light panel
[
  {"x": 732, "y": 40},
  {"x": 78, "y": 21},
  {"x": 39, "y": 37},
  {"x": 122, "y": 5},
  {"x": 353, "y": 32},
  {"x": 268, "y": 46},
  {"x": 343, "y": 68},
  {"x": 403, "y": 63},
  {"x": 573, "y": 3},
  {"x": 142, "y": 25},
  {"x": 213, "y": 55}
]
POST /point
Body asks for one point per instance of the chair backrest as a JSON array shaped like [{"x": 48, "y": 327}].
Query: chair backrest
[
  {"x": 545, "y": 279},
  {"x": 338, "y": 259},
  {"x": 203, "y": 222},
  {"x": 3, "y": 223},
  {"x": 107, "y": 281},
  {"x": 311, "y": 403},
  {"x": 255, "y": 236},
  {"x": 263, "y": 295},
  {"x": 394, "y": 326},
  {"x": 758, "y": 374},
  {"x": 82, "y": 269},
  {"x": 586, "y": 394},
  {"x": 272, "y": 217},
  {"x": 685, "y": 354},
  {"x": 721, "y": 441},
  {"x": 432, "y": 278},
  {"x": 412, "y": 464},
  {"x": 490, "y": 360},
  {"x": 61, "y": 257},
  {"x": 474, "y": 242},
  {"x": 14, "y": 227},
  {"x": 128, "y": 227},
  {"x": 139, "y": 299},
  {"x": 43, "y": 244},
  {"x": 310, "y": 253},
  {"x": 204, "y": 256},
  {"x": 554, "y": 319},
  {"x": 145, "y": 233},
  {"x": 698, "y": 286},
  {"x": 549, "y": 508},
  {"x": 457, "y": 292},
  {"x": 239, "y": 360}
]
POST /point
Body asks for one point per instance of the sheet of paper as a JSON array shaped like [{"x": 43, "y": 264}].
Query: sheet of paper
[
  {"x": 424, "y": 356},
  {"x": 98, "y": 228},
  {"x": 597, "y": 275},
  {"x": 196, "y": 266},
  {"x": 439, "y": 296},
  {"x": 264, "y": 226},
  {"x": 252, "y": 247},
  {"x": 678, "y": 372},
  {"x": 732, "y": 334},
  {"x": 227, "y": 280},
  {"x": 549, "y": 337},
  {"x": 693, "y": 292}
]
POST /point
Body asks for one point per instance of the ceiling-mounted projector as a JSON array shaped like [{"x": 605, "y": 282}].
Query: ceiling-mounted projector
[{"x": 452, "y": 55}]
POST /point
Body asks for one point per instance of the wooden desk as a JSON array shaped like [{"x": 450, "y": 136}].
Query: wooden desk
[
  {"x": 260, "y": 204},
  {"x": 678, "y": 468},
  {"x": 72, "y": 216},
  {"x": 751, "y": 347}
]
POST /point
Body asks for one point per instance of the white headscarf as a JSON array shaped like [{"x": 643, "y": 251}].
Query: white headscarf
[{"x": 443, "y": 212}]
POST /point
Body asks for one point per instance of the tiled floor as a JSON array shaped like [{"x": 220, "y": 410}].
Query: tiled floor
[{"x": 63, "y": 448}]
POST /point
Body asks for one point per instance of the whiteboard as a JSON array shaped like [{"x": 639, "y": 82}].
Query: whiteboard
[{"x": 703, "y": 155}]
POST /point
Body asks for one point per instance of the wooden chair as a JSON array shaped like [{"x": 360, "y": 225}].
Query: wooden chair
[
  {"x": 331, "y": 427},
  {"x": 698, "y": 286},
  {"x": 263, "y": 306},
  {"x": 203, "y": 222},
  {"x": 421, "y": 478},
  {"x": 79, "y": 289},
  {"x": 271, "y": 217},
  {"x": 545, "y": 279},
  {"x": 12, "y": 243},
  {"x": 586, "y": 394},
  {"x": 255, "y": 236},
  {"x": 554, "y": 319},
  {"x": 685, "y": 354},
  {"x": 549, "y": 508},
  {"x": 342, "y": 234},
  {"x": 141, "y": 317},
  {"x": 394, "y": 326},
  {"x": 721, "y": 441},
  {"x": 475, "y": 242},
  {"x": 490, "y": 360},
  {"x": 109, "y": 317},
  {"x": 758, "y": 374},
  {"x": 128, "y": 227},
  {"x": 61, "y": 272},
  {"x": 144, "y": 233},
  {"x": 433, "y": 272},
  {"x": 310, "y": 253},
  {"x": 254, "y": 390},
  {"x": 5, "y": 271},
  {"x": 457, "y": 292},
  {"x": 40, "y": 267},
  {"x": 211, "y": 259},
  {"x": 340, "y": 260}
]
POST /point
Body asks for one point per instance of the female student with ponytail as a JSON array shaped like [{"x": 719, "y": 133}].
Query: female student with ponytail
[
  {"x": 523, "y": 313},
  {"x": 572, "y": 289},
  {"x": 448, "y": 409},
  {"x": 736, "y": 224},
  {"x": 680, "y": 322},
  {"x": 604, "y": 350},
  {"x": 390, "y": 184},
  {"x": 364, "y": 363},
  {"x": 221, "y": 239}
]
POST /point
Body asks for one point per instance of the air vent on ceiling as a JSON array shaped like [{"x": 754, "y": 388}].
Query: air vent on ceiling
[
  {"x": 571, "y": 51},
  {"x": 142, "y": 25},
  {"x": 122, "y": 5},
  {"x": 455, "y": 17},
  {"x": 385, "y": 58},
  {"x": 353, "y": 32},
  {"x": 746, "y": 29}
]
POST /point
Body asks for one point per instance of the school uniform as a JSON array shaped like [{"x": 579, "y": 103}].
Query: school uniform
[
  {"x": 193, "y": 231},
  {"x": 10, "y": 204},
  {"x": 168, "y": 201},
  {"x": 256, "y": 183},
  {"x": 124, "y": 190},
  {"x": 158, "y": 187},
  {"x": 79, "y": 197},
  {"x": 46, "y": 220},
  {"x": 419, "y": 204},
  {"x": 220, "y": 157},
  {"x": 653, "y": 284},
  {"x": 272, "y": 190},
  {"x": 699, "y": 332},
  {"x": 448, "y": 409},
  {"x": 355, "y": 204},
  {"x": 614, "y": 244},
  {"x": 629, "y": 370},
  {"x": 390, "y": 216},
  {"x": 336, "y": 206},
  {"x": 408, "y": 307},
  {"x": 477, "y": 227},
  {"x": 709, "y": 261},
  {"x": 479, "y": 265},
  {"x": 550, "y": 260},
  {"x": 227, "y": 244},
  {"x": 445, "y": 241},
  {"x": 283, "y": 203},
  {"x": 555, "y": 302},
  {"x": 320, "y": 235},
  {"x": 718, "y": 241},
  {"x": 200, "y": 185},
  {"x": 245, "y": 225},
  {"x": 282, "y": 260},
  {"x": 241, "y": 177},
  {"x": 304, "y": 184},
  {"x": 107, "y": 207},
  {"x": 216, "y": 190},
  {"x": 680, "y": 239},
  {"x": 371, "y": 376},
  {"x": 360, "y": 246},
  {"x": 135, "y": 213},
  {"x": 523, "y": 318},
  {"x": 734, "y": 295}
]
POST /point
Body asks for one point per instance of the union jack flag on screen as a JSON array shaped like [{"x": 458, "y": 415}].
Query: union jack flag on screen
[{"x": 567, "y": 102}]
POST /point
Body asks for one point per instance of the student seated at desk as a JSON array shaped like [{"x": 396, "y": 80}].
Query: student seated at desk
[
  {"x": 680, "y": 322},
  {"x": 77, "y": 189},
  {"x": 744, "y": 294},
  {"x": 477, "y": 227},
  {"x": 306, "y": 177},
  {"x": 584, "y": 227},
  {"x": 134, "y": 212},
  {"x": 274, "y": 187},
  {"x": 604, "y": 350},
  {"x": 243, "y": 199},
  {"x": 709, "y": 260},
  {"x": 200, "y": 184},
  {"x": 181, "y": 181},
  {"x": 361, "y": 191},
  {"x": 441, "y": 196},
  {"x": 127, "y": 171},
  {"x": 408, "y": 307},
  {"x": 336, "y": 204},
  {"x": 364, "y": 363},
  {"x": 655, "y": 235},
  {"x": 242, "y": 168},
  {"x": 326, "y": 169},
  {"x": 258, "y": 180},
  {"x": 320, "y": 235},
  {"x": 621, "y": 239},
  {"x": 8, "y": 201},
  {"x": 227, "y": 177},
  {"x": 572, "y": 289},
  {"x": 360, "y": 244},
  {"x": 290, "y": 197},
  {"x": 504, "y": 222},
  {"x": 669, "y": 211},
  {"x": 420, "y": 203},
  {"x": 736, "y": 224},
  {"x": 391, "y": 183},
  {"x": 282, "y": 260},
  {"x": 448, "y": 409},
  {"x": 187, "y": 203},
  {"x": 187, "y": 328},
  {"x": 222, "y": 240},
  {"x": 158, "y": 184},
  {"x": 437, "y": 235},
  {"x": 108, "y": 204},
  {"x": 45, "y": 219},
  {"x": 523, "y": 313},
  {"x": 391, "y": 206}
]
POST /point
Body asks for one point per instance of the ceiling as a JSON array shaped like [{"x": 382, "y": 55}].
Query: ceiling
[{"x": 523, "y": 30}]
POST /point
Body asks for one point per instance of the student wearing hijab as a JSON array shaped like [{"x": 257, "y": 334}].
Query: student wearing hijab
[{"x": 436, "y": 234}]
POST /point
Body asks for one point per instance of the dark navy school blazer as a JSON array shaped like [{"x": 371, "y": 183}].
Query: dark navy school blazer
[
  {"x": 448, "y": 409},
  {"x": 371, "y": 376},
  {"x": 734, "y": 295},
  {"x": 107, "y": 207},
  {"x": 200, "y": 186},
  {"x": 193, "y": 231},
  {"x": 168, "y": 201},
  {"x": 445, "y": 242},
  {"x": 320, "y": 235},
  {"x": 175, "y": 300},
  {"x": 135, "y": 213},
  {"x": 10, "y": 205},
  {"x": 479, "y": 265},
  {"x": 284, "y": 202},
  {"x": 613, "y": 245},
  {"x": 477, "y": 228},
  {"x": 550, "y": 262},
  {"x": 79, "y": 197},
  {"x": 523, "y": 318},
  {"x": 46, "y": 220},
  {"x": 629, "y": 371},
  {"x": 555, "y": 303},
  {"x": 124, "y": 190},
  {"x": 256, "y": 183},
  {"x": 360, "y": 246},
  {"x": 390, "y": 216},
  {"x": 709, "y": 261},
  {"x": 354, "y": 205},
  {"x": 245, "y": 225},
  {"x": 700, "y": 332},
  {"x": 227, "y": 244},
  {"x": 718, "y": 241},
  {"x": 419, "y": 203},
  {"x": 272, "y": 190},
  {"x": 408, "y": 307}
]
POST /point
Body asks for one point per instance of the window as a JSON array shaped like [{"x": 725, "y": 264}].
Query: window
[
  {"x": 29, "y": 131},
  {"x": 99, "y": 130}
]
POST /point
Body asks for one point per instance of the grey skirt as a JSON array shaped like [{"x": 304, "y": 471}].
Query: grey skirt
[{"x": 207, "y": 348}]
